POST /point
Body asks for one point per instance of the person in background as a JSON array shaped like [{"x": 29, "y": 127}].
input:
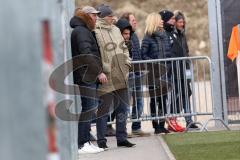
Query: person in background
[
  {"x": 135, "y": 54},
  {"x": 126, "y": 31},
  {"x": 116, "y": 64},
  {"x": 183, "y": 51},
  {"x": 155, "y": 46},
  {"x": 83, "y": 42},
  {"x": 169, "y": 26}
]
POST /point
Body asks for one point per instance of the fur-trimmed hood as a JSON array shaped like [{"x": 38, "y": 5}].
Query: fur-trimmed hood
[{"x": 82, "y": 19}]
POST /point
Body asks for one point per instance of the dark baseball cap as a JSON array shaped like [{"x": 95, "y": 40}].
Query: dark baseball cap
[{"x": 104, "y": 10}]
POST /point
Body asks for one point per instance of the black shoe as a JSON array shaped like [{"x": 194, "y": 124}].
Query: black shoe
[
  {"x": 125, "y": 143},
  {"x": 103, "y": 146},
  {"x": 193, "y": 126},
  {"x": 161, "y": 131}
]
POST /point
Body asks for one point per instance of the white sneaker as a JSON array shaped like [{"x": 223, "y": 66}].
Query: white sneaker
[
  {"x": 96, "y": 147},
  {"x": 87, "y": 148}
]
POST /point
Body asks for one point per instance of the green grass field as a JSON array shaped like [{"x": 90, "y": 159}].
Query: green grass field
[{"x": 224, "y": 145}]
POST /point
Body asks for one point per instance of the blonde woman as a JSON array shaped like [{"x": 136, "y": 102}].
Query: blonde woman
[{"x": 156, "y": 45}]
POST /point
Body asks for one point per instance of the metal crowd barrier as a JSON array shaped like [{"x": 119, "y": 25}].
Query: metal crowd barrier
[{"x": 171, "y": 87}]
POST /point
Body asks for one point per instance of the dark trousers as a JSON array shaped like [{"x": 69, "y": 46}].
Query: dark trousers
[
  {"x": 160, "y": 103},
  {"x": 121, "y": 102},
  {"x": 157, "y": 102},
  {"x": 89, "y": 106},
  {"x": 180, "y": 99}
]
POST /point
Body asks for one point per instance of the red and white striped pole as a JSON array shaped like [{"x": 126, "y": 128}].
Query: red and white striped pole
[{"x": 49, "y": 96}]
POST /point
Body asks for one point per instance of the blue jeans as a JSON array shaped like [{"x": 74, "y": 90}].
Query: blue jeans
[
  {"x": 121, "y": 102},
  {"x": 135, "y": 91},
  {"x": 89, "y": 106}
]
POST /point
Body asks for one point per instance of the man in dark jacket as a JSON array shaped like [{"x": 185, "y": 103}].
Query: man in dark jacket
[
  {"x": 184, "y": 52},
  {"x": 86, "y": 72},
  {"x": 180, "y": 32},
  {"x": 169, "y": 26},
  {"x": 135, "y": 54}
]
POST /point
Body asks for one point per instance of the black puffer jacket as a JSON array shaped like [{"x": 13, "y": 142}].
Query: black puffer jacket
[
  {"x": 177, "y": 73},
  {"x": 83, "y": 42},
  {"x": 156, "y": 46},
  {"x": 182, "y": 42},
  {"x": 178, "y": 43},
  {"x": 179, "y": 49}
]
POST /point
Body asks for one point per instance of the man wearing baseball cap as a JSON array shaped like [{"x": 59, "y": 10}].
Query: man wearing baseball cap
[
  {"x": 104, "y": 10},
  {"x": 92, "y": 12},
  {"x": 84, "y": 45},
  {"x": 116, "y": 64}
]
